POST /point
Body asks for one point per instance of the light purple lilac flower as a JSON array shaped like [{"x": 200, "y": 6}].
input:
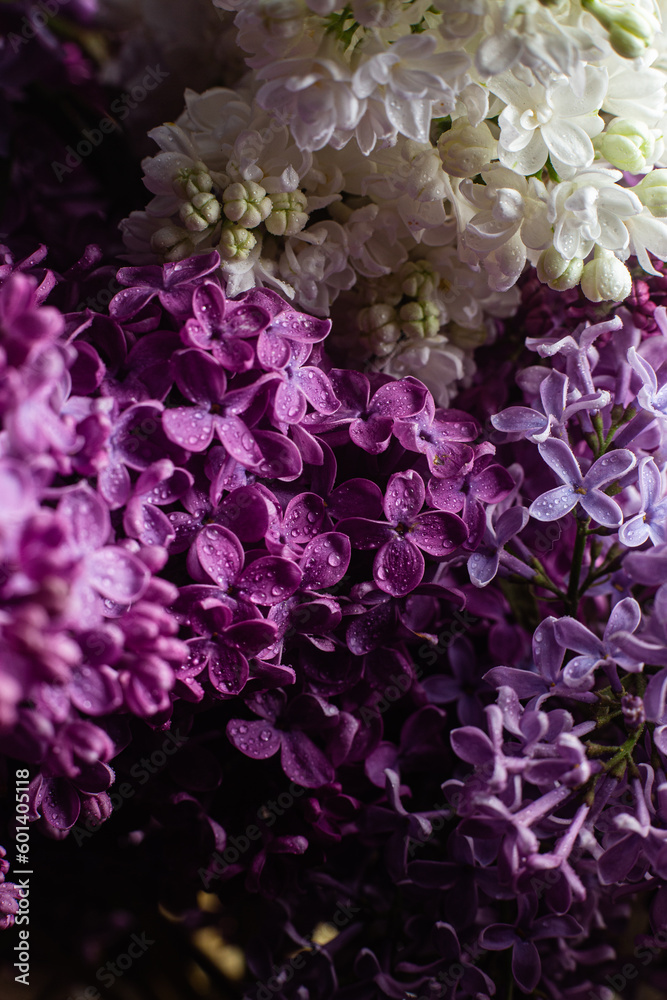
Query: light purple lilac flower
[{"x": 579, "y": 488}]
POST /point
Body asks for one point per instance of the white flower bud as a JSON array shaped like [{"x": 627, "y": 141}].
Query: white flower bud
[
  {"x": 247, "y": 203},
  {"x": 467, "y": 338},
  {"x": 628, "y": 145},
  {"x": 288, "y": 214},
  {"x": 236, "y": 243},
  {"x": 652, "y": 192},
  {"x": 557, "y": 272},
  {"x": 379, "y": 327},
  {"x": 172, "y": 243},
  {"x": 200, "y": 213},
  {"x": 605, "y": 278},
  {"x": 189, "y": 183},
  {"x": 420, "y": 319},
  {"x": 424, "y": 178},
  {"x": 418, "y": 279},
  {"x": 466, "y": 149}
]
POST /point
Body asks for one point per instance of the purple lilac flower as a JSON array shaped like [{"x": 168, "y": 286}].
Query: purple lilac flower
[
  {"x": 151, "y": 587},
  {"x": 649, "y": 522},
  {"x": 581, "y": 489},
  {"x": 399, "y": 564}
]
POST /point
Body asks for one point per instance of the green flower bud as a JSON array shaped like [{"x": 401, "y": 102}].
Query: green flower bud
[
  {"x": 465, "y": 150},
  {"x": 172, "y": 243},
  {"x": 557, "y": 272},
  {"x": 652, "y": 192},
  {"x": 246, "y": 203},
  {"x": 189, "y": 183},
  {"x": 236, "y": 243},
  {"x": 418, "y": 279},
  {"x": 630, "y": 31},
  {"x": 288, "y": 214},
  {"x": 605, "y": 278},
  {"x": 420, "y": 319},
  {"x": 627, "y": 145},
  {"x": 200, "y": 213},
  {"x": 630, "y": 35},
  {"x": 379, "y": 328}
]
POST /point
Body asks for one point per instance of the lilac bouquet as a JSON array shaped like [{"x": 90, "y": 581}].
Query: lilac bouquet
[
  {"x": 333, "y": 543},
  {"x": 330, "y": 593}
]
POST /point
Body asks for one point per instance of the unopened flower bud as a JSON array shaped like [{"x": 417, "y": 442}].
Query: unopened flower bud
[
  {"x": 465, "y": 337},
  {"x": 380, "y": 328},
  {"x": 605, "y": 278},
  {"x": 420, "y": 319},
  {"x": 189, "y": 183},
  {"x": 630, "y": 31},
  {"x": 557, "y": 272},
  {"x": 423, "y": 175},
  {"x": 200, "y": 213},
  {"x": 466, "y": 149},
  {"x": 652, "y": 192},
  {"x": 246, "y": 203},
  {"x": 631, "y": 34},
  {"x": 628, "y": 145},
  {"x": 634, "y": 713},
  {"x": 236, "y": 243},
  {"x": 172, "y": 243},
  {"x": 288, "y": 214},
  {"x": 418, "y": 279}
]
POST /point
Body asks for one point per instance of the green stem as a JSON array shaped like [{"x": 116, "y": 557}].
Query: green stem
[
  {"x": 577, "y": 559},
  {"x": 598, "y": 427}
]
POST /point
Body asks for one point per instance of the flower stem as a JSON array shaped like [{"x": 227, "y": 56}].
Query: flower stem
[{"x": 577, "y": 559}]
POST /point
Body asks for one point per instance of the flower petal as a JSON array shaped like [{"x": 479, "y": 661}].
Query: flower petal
[
  {"x": 398, "y": 567},
  {"x": 559, "y": 457},
  {"x": 438, "y": 532},
  {"x": 117, "y": 574},
  {"x": 554, "y": 504},
  {"x": 269, "y": 580}
]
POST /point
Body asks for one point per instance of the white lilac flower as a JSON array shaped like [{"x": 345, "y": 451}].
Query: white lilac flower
[
  {"x": 511, "y": 217},
  {"x": 316, "y": 95},
  {"x": 435, "y": 362},
  {"x": 414, "y": 77},
  {"x": 635, "y": 91},
  {"x": 411, "y": 158},
  {"x": 591, "y": 209},
  {"x": 526, "y": 36},
  {"x": 553, "y": 121}
]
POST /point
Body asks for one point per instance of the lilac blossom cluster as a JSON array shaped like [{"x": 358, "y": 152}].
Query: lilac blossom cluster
[{"x": 332, "y": 585}]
